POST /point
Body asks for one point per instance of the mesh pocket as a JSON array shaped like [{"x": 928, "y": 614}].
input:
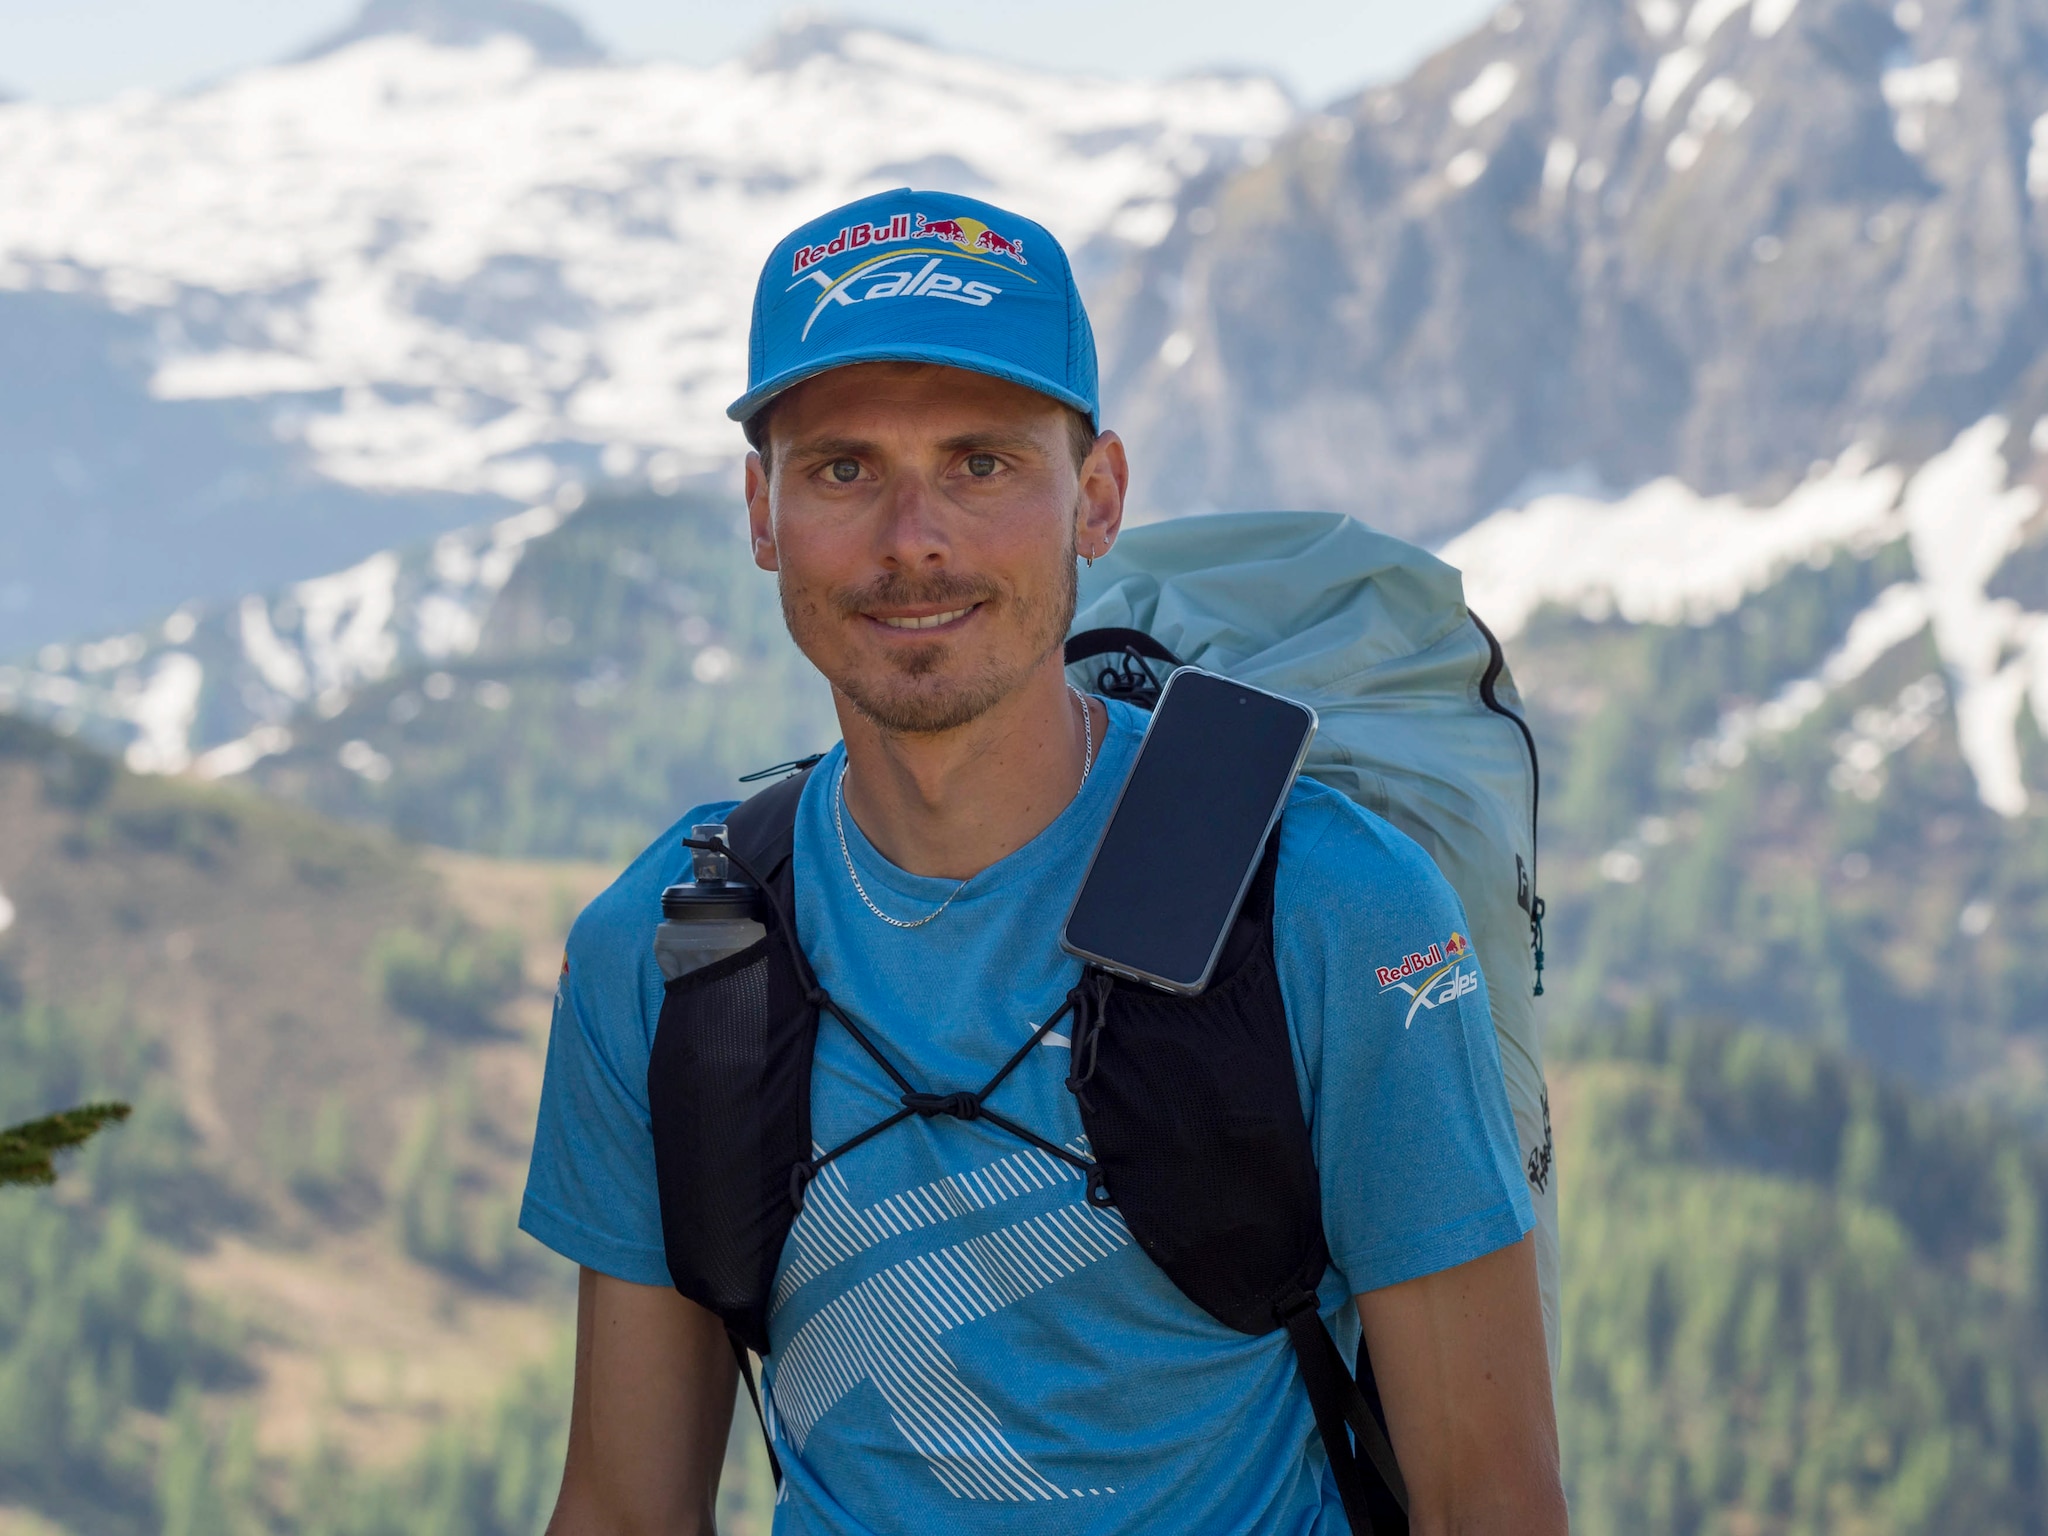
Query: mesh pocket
[{"x": 728, "y": 1085}]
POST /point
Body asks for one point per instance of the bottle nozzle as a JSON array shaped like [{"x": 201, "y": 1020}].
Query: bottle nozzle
[{"x": 709, "y": 868}]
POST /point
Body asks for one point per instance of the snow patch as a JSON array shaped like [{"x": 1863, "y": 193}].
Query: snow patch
[
  {"x": 347, "y": 623},
  {"x": 1659, "y": 17},
  {"x": 1486, "y": 95},
  {"x": 1913, "y": 92},
  {"x": 1767, "y": 18},
  {"x": 1665, "y": 554},
  {"x": 1721, "y": 103},
  {"x": 1938, "y": 83},
  {"x": 1559, "y": 161},
  {"x": 2037, "y": 161},
  {"x": 1675, "y": 71},
  {"x": 1963, "y": 521},
  {"x": 243, "y": 753},
  {"x": 1707, "y": 17},
  {"x": 163, "y": 712},
  {"x": 1464, "y": 168}
]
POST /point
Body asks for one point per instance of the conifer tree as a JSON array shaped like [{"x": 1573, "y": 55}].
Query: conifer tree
[{"x": 27, "y": 1151}]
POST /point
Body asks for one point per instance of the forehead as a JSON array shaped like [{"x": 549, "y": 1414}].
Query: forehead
[{"x": 908, "y": 401}]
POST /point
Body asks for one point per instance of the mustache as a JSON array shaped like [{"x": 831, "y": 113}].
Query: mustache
[{"x": 896, "y": 589}]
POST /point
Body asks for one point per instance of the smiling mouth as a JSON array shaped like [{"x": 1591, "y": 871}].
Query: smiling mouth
[{"x": 926, "y": 621}]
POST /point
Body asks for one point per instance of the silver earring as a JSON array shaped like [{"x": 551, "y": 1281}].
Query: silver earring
[{"x": 1091, "y": 561}]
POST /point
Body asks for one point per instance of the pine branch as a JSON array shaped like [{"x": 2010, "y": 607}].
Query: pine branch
[{"x": 26, "y": 1151}]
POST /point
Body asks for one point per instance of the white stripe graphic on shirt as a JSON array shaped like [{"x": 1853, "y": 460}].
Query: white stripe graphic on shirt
[
  {"x": 886, "y": 1330},
  {"x": 831, "y": 1230}
]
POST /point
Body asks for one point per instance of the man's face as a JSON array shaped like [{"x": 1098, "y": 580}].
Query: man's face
[{"x": 924, "y": 523}]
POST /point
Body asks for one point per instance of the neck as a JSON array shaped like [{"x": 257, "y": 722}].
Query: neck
[{"x": 950, "y": 804}]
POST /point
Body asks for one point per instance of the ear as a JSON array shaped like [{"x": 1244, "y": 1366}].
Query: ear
[
  {"x": 760, "y": 515},
  {"x": 1099, "y": 508}
]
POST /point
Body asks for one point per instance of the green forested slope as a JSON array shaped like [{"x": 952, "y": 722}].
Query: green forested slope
[
  {"x": 1770, "y": 877},
  {"x": 1797, "y": 1299}
]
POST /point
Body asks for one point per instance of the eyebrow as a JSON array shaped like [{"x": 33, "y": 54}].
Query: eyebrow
[
  {"x": 831, "y": 448},
  {"x": 994, "y": 439}
]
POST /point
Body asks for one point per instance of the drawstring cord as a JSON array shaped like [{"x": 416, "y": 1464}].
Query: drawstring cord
[{"x": 960, "y": 1105}]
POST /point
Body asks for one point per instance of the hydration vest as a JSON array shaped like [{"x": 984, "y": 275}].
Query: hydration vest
[{"x": 1189, "y": 1104}]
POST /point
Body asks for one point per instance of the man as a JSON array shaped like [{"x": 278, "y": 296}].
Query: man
[{"x": 927, "y": 471}]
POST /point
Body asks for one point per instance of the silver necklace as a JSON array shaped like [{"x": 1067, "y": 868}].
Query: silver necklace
[{"x": 846, "y": 853}]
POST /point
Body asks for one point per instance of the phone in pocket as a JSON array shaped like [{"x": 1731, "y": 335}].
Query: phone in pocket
[{"x": 1184, "y": 840}]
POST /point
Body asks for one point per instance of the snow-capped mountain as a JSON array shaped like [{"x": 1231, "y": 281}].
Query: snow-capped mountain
[
  {"x": 1601, "y": 241},
  {"x": 212, "y": 688},
  {"x": 268, "y": 327},
  {"x": 470, "y": 272}
]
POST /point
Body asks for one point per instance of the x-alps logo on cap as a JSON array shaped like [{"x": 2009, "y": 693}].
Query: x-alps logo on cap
[{"x": 911, "y": 273}]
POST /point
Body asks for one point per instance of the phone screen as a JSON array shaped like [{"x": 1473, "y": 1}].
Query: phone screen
[{"x": 1185, "y": 838}]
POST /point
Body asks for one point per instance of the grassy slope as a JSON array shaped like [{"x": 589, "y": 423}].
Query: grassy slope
[{"x": 205, "y": 952}]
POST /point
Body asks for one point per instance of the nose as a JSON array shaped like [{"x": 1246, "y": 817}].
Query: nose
[{"x": 910, "y": 525}]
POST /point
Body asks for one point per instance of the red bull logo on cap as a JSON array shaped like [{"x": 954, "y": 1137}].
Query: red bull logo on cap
[
  {"x": 962, "y": 233},
  {"x": 971, "y": 235}
]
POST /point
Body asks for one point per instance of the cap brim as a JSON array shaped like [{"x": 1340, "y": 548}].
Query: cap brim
[{"x": 950, "y": 357}]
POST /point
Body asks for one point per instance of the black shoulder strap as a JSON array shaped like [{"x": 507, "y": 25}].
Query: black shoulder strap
[
  {"x": 761, "y": 834},
  {"x": 762, "y": 830}
]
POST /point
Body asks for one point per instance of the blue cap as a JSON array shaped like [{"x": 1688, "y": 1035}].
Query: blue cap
[{"x": 921, "y": 277}]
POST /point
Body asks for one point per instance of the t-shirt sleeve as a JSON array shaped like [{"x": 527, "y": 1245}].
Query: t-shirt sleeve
[
  {"x": 590, "y": 1189},
  {"x": 1395, "y": 1046}
]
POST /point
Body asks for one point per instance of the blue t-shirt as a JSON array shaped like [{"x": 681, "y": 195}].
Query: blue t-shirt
[{"x": 960, "y": 1339}]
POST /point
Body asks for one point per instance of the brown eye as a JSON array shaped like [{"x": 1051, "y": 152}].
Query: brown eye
[
  {"x": 981, "y": 465},
  {"x": 845, "y": 471}
]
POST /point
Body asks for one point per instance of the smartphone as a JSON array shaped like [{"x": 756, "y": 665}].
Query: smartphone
[{"x": 1184, "y": 841}]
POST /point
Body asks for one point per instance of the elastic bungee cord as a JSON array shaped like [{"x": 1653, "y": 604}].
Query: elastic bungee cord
[{"x": 1084, "y": 1002}]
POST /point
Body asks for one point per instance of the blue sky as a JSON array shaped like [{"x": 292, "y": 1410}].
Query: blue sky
[{"x": 81, "y": 50}]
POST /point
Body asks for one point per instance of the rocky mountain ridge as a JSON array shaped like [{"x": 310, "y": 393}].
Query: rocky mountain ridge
[
  {"x": 555, "y": 35},
  {"x": 1602, "y": 241}
]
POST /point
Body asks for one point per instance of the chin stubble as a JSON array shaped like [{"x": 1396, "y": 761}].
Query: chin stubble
[{"x": 929, "y": 707}]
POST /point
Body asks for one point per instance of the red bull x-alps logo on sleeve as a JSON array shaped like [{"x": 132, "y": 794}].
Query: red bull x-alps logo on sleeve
[
  {"x": 914, "y": 273},
  {"x": 1441, "y": 974}
]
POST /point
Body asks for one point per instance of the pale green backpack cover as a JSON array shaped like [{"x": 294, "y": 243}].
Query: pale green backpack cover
[{"x": 1373, "y": 633}]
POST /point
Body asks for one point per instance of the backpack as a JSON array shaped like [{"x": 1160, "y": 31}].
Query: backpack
[
  {"x": 1420, "y": 724},
  {"x": 1347, "y": 620}
]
